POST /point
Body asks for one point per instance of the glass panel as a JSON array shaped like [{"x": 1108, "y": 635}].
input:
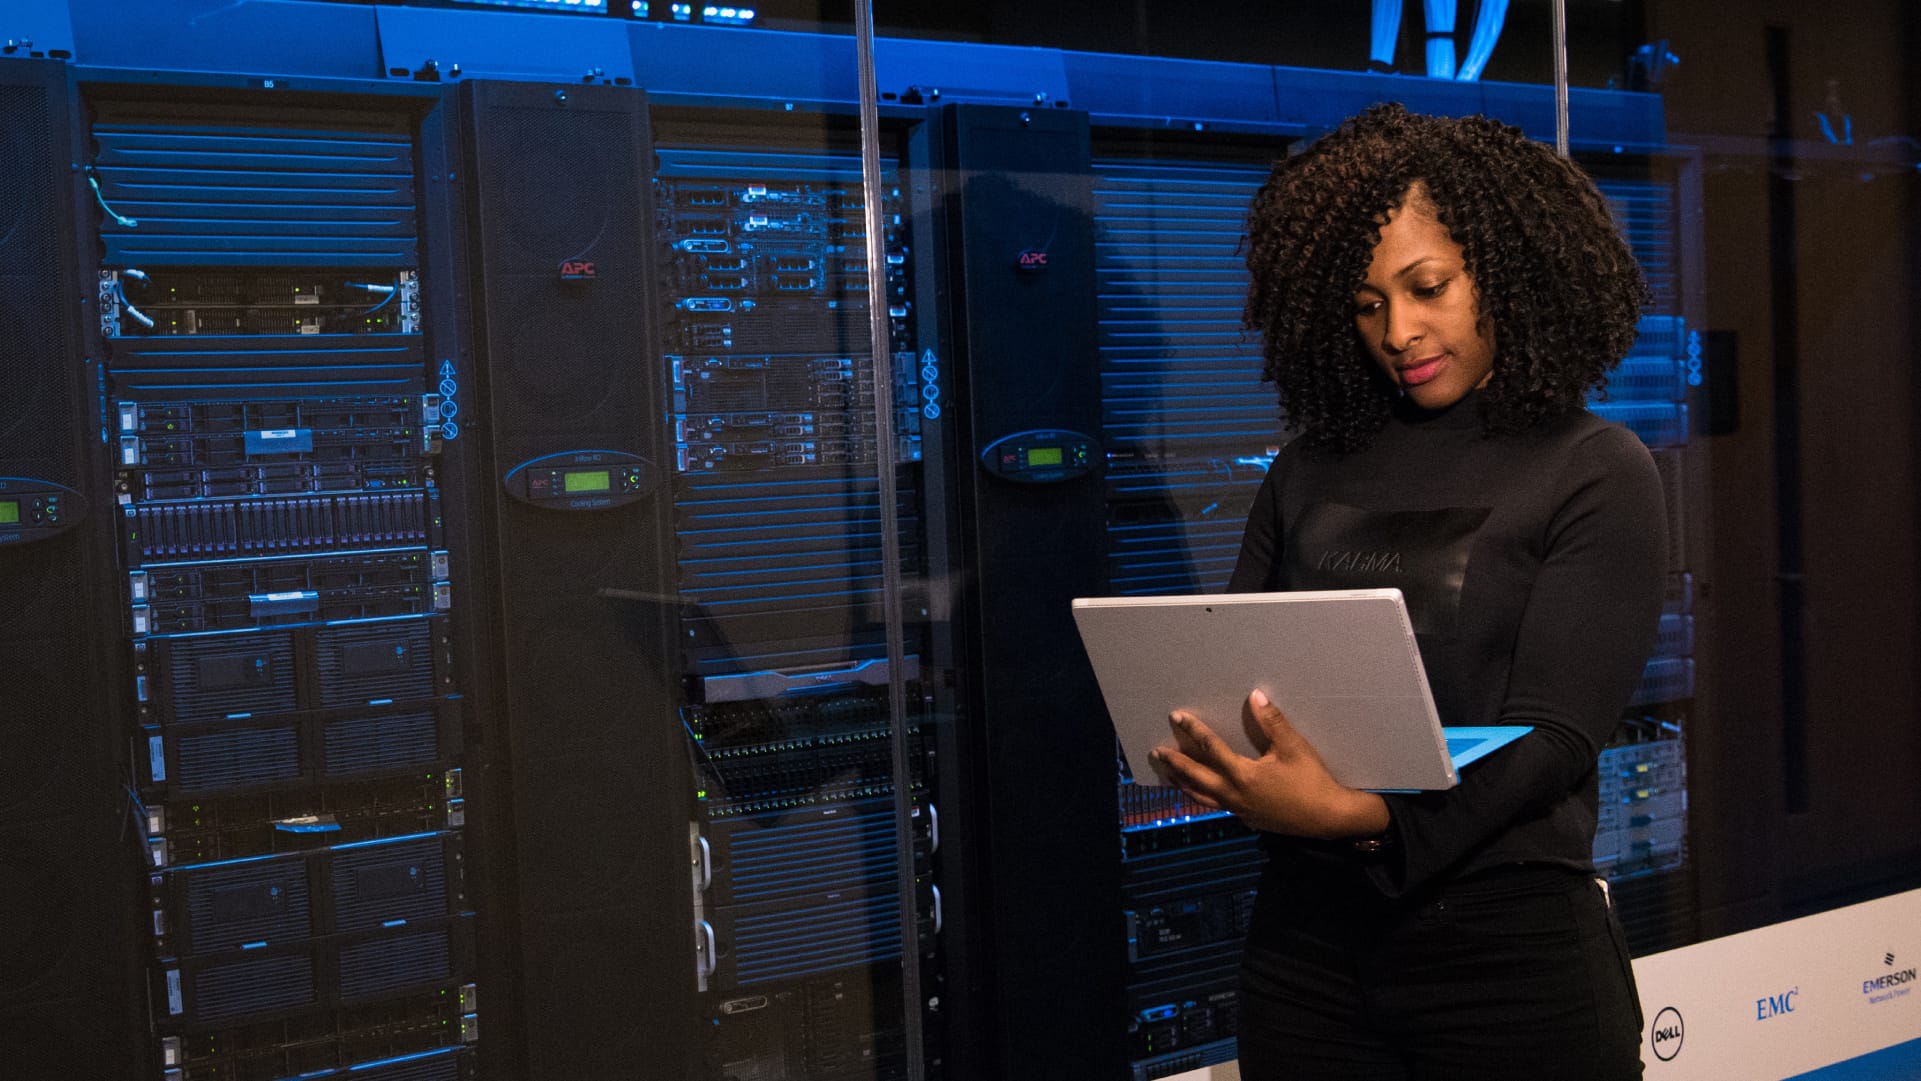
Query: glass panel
[
  {"x": 800, "y": 538},
  {"x": 1804, "y": 131},
  {"x": 1183, "y": 111}
]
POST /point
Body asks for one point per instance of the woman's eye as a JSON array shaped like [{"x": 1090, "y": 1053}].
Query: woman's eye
[
  {"x": 1429, "y": 292},
  {"x": 1363, "y": 308}
]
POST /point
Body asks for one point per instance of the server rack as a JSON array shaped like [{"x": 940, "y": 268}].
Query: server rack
[
  {"x": 295, "y": 714},
  {"x": 764, "y": 297}
]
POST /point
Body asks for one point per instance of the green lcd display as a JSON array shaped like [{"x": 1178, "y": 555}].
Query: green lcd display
[
  {"x": 9, "y": 512},
  {"x": 1037, "y": 456},
  {"x": 598, "y": 480}
]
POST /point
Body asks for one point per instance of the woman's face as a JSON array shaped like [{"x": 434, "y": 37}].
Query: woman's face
[{"x": 1417, "y": 312}]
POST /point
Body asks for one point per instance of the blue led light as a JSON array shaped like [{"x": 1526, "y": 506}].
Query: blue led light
[
  {"x": 726, "y": 16},
  {"x": 404, "y": 838},
  {"x": 415, "y": 1057}
]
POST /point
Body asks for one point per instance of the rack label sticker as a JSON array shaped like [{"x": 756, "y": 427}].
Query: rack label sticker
[{"x": 279, "y": 441}]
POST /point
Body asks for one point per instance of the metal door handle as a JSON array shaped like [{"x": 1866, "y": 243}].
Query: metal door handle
[{"x": 713, "y": 955}]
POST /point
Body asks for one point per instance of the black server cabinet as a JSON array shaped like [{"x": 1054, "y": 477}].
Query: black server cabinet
[
  {"x": 69, "y": 1002},
  {"x": 1028, "y": 466},
  {"x": 592, "y": 769},
  {"x": 283, "y": 580}
]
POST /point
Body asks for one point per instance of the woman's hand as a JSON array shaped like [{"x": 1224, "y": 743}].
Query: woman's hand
[{"x": 1286, "y": 790}]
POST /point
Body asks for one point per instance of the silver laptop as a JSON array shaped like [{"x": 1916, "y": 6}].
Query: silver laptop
[{"x": 1342, "y": 665}]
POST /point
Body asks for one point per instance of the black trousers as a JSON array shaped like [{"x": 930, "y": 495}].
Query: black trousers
[{"x": 1519, "y": 972}]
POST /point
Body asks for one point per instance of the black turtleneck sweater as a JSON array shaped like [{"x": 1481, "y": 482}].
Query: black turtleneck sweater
[{"x": 1534, "y": 568}]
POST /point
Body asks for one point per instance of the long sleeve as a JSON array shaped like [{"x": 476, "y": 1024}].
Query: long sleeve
[
  {"x": 1534, "y": 567},
  {"x": 1585, "y": 628}
]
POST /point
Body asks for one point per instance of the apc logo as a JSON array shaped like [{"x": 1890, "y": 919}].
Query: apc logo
[
  {"x": 1032, "y": 260},
  {"x": 1666, "y": 1034},
  {"x": 577, "y": 270}
]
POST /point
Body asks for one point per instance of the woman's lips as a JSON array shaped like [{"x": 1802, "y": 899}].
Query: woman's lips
[{"x": 1422, "y": 370}]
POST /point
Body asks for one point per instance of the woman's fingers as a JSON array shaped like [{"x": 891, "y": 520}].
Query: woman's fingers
[
  {"x": 1198, "y": 763},
  {"x": 1254, "y": 721},
  {"x": 1286, "y": 790},
  {"x": 1198, "y": 741},
  {"x": 1200, "y": 783},
  {"x": 1267, "y": 726}
]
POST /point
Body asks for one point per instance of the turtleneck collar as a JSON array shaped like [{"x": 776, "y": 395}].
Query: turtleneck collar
[{"x": 1465, "y": 413}]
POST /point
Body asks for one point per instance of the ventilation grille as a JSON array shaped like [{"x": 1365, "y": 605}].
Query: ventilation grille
[
  {"x": 255, "y": 196},
  {"x": 392, "y": 964},
  {"x": 854, "y": 850},
  {"x": 36, "y": 426},
  {"x": 354, "y": 669},
  {"x": 777, "y": 560},
  {"x": 794, "y": 942},
  {"x": 220, "y": 677},
  {"x": 248, "y": 987},
  {"x": 378, "y": 884},
  {"x": 764, "y": 166},
  {"x": 376, "y": 744},
  {"x": 1188, "y": 423},
  {"x": 238, "y": 757},
  {"x": 1646, "y": 392},
  {"x": 1645, "y": 211},
  {"x": 235, "y": 906}
]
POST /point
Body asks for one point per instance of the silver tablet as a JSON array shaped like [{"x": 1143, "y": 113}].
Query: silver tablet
[{"x": 1342, "y": 665}]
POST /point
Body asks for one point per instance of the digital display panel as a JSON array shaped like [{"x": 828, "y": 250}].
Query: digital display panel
[
  {"x": 598, "y": 480},
  {"x": 1043, "y": 456},
  {"x": 9, "y": 512}
]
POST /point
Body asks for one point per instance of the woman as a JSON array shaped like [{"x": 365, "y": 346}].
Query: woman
[{"x": 1437, "y": 299}]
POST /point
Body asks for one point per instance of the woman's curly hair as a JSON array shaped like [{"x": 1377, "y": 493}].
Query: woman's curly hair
[{"x": 1549, "y": 267}]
